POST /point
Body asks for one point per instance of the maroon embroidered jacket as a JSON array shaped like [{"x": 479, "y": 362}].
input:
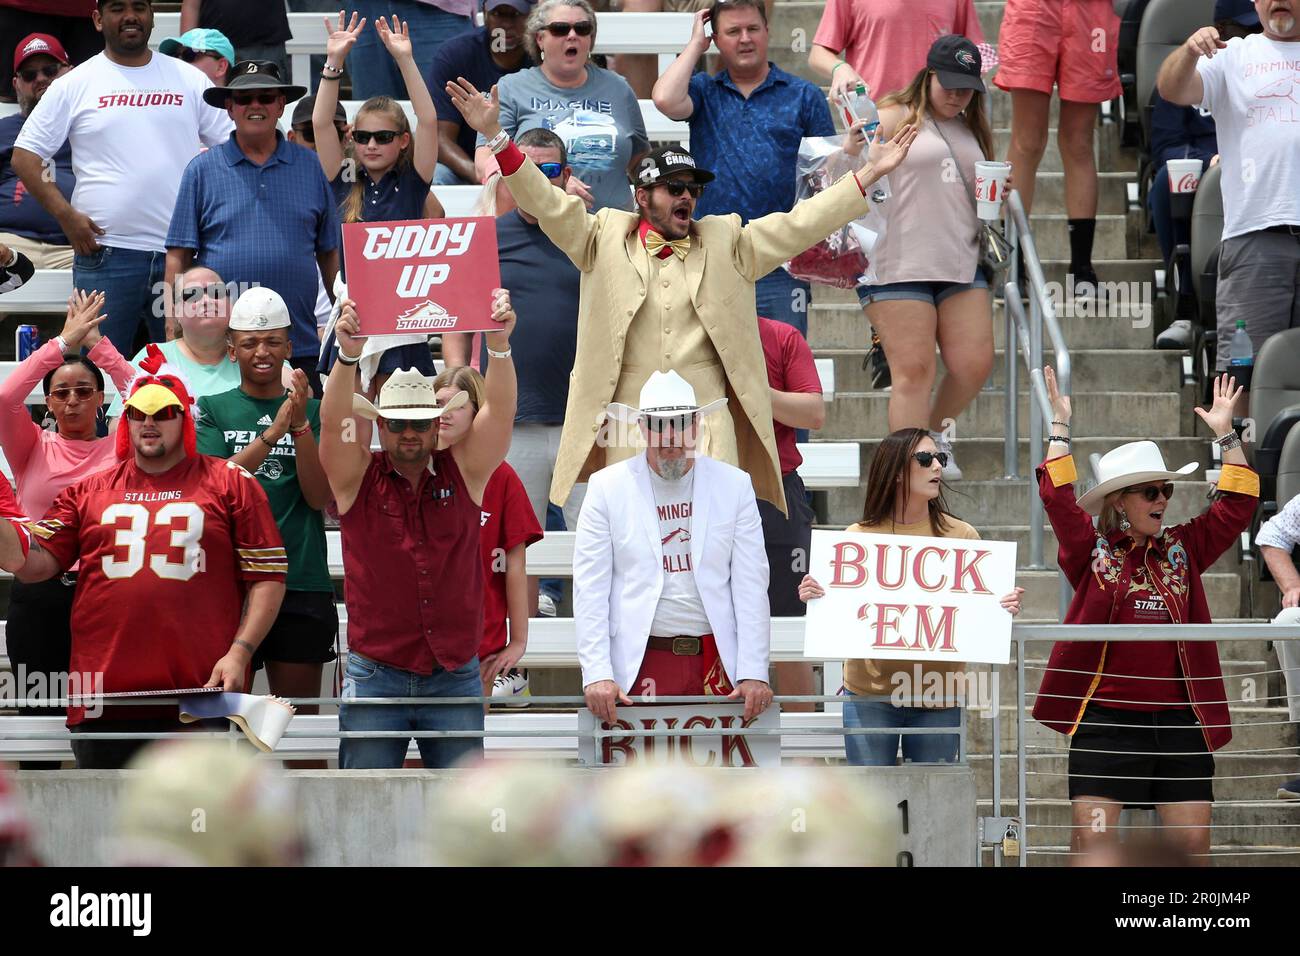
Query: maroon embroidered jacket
[{"x": 1100, "y": 568}]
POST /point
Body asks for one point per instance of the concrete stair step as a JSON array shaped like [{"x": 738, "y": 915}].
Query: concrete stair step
[{"x": 1111, "y": 157}]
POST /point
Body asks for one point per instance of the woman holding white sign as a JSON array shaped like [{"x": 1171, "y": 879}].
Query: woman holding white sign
[
  {"x": 1143, "y": 717},
  {"x": 904, "y": 496}
]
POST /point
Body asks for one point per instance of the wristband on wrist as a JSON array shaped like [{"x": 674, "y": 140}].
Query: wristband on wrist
[
  {"x": 1063, "y": 439},
  {"x": 333, "y": 70},
  {"x": 498, "y": 142},
  {"x": 299, "y": 432},
  {"x": 861, "y": 189},
  {"x": 838, "y": 64},
  {"x": 330, "y": 76},
  {"x": 1062, "y": 424},
  {"x": 499, "y": 355},
  {"x": 348, "y": 359},
  {"x": 268, "y": 444}
]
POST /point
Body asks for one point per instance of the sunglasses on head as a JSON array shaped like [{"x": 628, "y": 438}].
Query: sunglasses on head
[
  {"x": 583, "y": 28},
  {"x": 162, "y": 415},
  {"x": 189, "y": 56},
  {"x": 924, "y": 458},
  {"x": 1150, "y": 493},
  {"x": 50, "y": 71},
  {"x": 417, "y": 425},
  {"x": 551, "y": 170},
  {"x": 83, "y": 392},
  {"x": 247, "y": 99},
  {"x": 676, "y": 187},
  {"x": 308, "y": 132},
  {"x": 381, "y": 136}
]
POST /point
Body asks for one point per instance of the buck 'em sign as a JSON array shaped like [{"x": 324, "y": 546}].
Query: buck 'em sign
[
  {"x": 696, "y": 749},
  {"x": 428, "y": 275},
  {"x": 893, "y": 596}
]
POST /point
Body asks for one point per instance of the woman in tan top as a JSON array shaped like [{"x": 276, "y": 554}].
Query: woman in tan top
[
  {"x": 928, "y": 286},
  {"x": 904, "y": 496}
]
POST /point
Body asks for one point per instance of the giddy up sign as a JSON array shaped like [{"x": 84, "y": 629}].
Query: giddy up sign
[
  {"x": 429, "y": 275},
  {"x": 893, "y": 596}
]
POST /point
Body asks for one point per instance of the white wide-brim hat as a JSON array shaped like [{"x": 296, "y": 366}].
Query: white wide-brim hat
[
  {"x": 664, "y": 395},
  {"x": 1134, "y": 463},
  {"x": 407, "y": 396}
]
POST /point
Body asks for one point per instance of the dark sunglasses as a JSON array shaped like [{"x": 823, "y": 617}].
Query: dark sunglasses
[
  {"x": 162, "y": 415},
  {"x": 83, "y": 392},
  {"x": 417, "y": 425},
  {"x": 551, "y": 170},
  {"x": 924, "y": 458},
  {"x": 1151, "y": 492},
  {"x": 676, "y": 187},
  {"x": 381, "y": 136},
  {"x": 49, "y": 72},
  {"x": 308, "y": 132},
  {"x": 247, "y": 99},
  {"x": 189, "y": 56},
  {"x": 583, "y": 28}
]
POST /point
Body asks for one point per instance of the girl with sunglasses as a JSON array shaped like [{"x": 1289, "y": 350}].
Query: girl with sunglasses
[
  {"x": 45, "y": 462},
  {"x": 592, "y": 109},
  {"x": 904, "y": 496},
  {"x": 1143, "y": 717}
]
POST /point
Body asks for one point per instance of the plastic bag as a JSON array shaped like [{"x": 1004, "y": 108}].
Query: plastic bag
[{"x": 842, "y": 259}]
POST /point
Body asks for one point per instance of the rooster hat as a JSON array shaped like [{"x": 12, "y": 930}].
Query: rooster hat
[{"x": 159, "y": 385}]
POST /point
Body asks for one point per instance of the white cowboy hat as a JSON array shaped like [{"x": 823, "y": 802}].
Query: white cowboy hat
[
  {"x": 1134, "y": 463},
  {"x": 407, "y": 396},
  {"x": 664, "y": 395}
]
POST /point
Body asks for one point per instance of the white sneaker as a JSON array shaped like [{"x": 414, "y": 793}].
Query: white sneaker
[
  {"x": 512, "y": 687},
  {"x": 950, "y": 471},
  {"x": 545, "y": 605}
]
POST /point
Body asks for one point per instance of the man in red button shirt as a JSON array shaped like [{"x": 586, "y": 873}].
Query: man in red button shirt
[{"x": 409, "y": 517}]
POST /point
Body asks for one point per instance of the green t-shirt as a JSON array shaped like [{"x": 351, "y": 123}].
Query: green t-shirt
[{"x": 228, "y": 422}]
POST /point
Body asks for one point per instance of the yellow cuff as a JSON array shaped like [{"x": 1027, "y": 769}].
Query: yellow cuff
[
  {"x": 1061, "y": 471},
  {"x": 1242, "y": 480}
]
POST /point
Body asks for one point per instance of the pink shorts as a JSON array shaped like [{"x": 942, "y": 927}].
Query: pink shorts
[{"x": 1066, "y": 43}]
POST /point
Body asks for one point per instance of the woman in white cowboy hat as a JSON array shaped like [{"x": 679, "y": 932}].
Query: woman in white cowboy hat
[{"x": 1143, "y": 717}]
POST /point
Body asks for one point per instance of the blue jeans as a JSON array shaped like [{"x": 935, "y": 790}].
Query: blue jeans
[
  {"x": 783, "y": 298},
  {"x": 443, "y": 176},
  {"x": 367, "y": 678},
  {"x": 1168, "y": 232},
  {"x": 554, "y": 522},
  {"x": 881, "y": 750},
  {"x": 373, "y": 71},
  {"x": 131, "y": 283}
]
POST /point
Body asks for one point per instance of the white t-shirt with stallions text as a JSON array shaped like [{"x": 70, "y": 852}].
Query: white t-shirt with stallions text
[
  {"x": 1252, "y": 87},
  {"x": 680, "y": 610},
  {"x": 133, "y": 130}
]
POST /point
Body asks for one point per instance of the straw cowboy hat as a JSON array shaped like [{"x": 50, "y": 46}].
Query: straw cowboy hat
[
  {"x": 407, "y": 396},
  {"x": 664, "y": 395},
  {"x": 1134, "y": 463}
]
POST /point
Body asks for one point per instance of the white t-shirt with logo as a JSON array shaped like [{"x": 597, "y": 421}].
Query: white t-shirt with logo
[
  {"x": 133, "y": 131},
  {"x": 1252, "y": 87},
  {"x": 680, "y": 610}
]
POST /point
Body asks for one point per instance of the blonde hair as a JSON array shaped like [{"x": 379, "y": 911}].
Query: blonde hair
[
  {"x": 486, "y": 203},
  {"x": 463, "y": 379},
  {"x": 541, "y": 16},
  {"x": 1108, "y": 517},
  {"x": 915, "y": 98},
  {"x": 355, "y": 204}
]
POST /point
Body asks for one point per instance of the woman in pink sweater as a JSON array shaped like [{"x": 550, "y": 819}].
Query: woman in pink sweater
[{"x": 43, "y": 463}]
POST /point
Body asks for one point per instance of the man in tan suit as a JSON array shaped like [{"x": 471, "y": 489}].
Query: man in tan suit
[{"x": 661, "y": 292}]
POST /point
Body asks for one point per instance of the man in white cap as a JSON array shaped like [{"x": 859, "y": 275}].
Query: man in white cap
[
  {"x": 409, "y": 516},
  {"x": 669, "y": 567},
  {"x": 272, "y": 432}
]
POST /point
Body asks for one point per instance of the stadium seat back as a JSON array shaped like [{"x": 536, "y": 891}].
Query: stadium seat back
[
  {"x": 1166, "y": 25},
  {"x": 1275, "y": 388},
  {"x": 1288, "y": 470},
  {"x": 1207, "y": 224}
]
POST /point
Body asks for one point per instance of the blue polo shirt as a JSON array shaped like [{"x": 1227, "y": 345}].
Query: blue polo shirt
[
  {"x": 260, "y": 225},
  {"x": 752, "y": 145},
  {"x": 468, "y": 55}
]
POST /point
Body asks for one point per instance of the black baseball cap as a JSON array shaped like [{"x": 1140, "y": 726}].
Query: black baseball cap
[
  {"x": 663, "y": 162},
  {"x": 302, "y": 112},
  {"x": 1240, "y": 12},
  {"x": 957, "y": 63}
]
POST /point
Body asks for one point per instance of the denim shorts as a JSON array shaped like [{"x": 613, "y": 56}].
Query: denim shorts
[{"x": 931, "y": 292}]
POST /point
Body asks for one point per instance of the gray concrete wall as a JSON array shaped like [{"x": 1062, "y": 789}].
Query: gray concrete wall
[{"x": 379, "y": 817}]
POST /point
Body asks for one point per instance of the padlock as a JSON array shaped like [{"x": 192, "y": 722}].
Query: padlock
[{"x": 1011, "y": 841}]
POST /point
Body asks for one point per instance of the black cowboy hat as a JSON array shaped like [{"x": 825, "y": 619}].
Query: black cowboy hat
[{"x": 249, "y": 75}]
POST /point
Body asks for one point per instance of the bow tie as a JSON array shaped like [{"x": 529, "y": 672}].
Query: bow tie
[{"x": 655, "y": 242}]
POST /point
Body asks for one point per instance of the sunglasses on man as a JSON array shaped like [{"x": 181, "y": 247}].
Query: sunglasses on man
[
  {"x": 49, "y": 71},
  {"x": 189, "y": 56},
  {"x": 926, "y": 458},
  {"x": 551, "y": 170},
  {"x": 1150, "y": 493},
  {"x": 417, "y": 425},
  {"x": 248, "y": 99},
  {"x": 676, "y": 187},
  {"x": 166, "y": 414},
  {"x": 308, "y": 132},
  {"x": 583, "y": 28},
  {"x": 84, "y": 393},
  {"x": 381, "y": 136}
]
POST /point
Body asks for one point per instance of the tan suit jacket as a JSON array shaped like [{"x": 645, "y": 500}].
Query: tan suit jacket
[{"x": 725, "y": 260}]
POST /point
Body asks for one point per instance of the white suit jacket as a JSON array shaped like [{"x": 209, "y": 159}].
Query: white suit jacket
[{"x": 618, "y": 570}]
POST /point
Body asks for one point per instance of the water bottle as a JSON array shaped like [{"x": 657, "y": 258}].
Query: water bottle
[
  {"x": 1241, "y": 356},
  {"x": 858, "y": 105}
]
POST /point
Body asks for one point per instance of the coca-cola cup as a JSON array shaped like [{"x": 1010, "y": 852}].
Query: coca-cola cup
[
  {"x": 990, "y": 186},
  {"x": 1184, "y": 177}
]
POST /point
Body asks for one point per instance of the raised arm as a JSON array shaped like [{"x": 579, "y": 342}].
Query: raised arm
[
  {"x": 1076, "y": 537},
  {"x": 397, "y": 39},
  {"x": 485, "y": 447},
  {"x": 827, "y": 63},
  {"x": 343, "y": 456},
  {"x": 1178, "y": 80},
  {"x": 672, "y": 91},
  {"x": 339, "y": 40},
  {"x": 1213, "y": 531}
]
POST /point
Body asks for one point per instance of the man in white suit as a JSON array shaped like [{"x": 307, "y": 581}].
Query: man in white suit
[{"x": 669, "y": 568}]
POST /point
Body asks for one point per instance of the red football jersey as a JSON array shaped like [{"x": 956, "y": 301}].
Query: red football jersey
[
  {"x": 507, "y": 519},
  {"x": 164, "y": 560},
  {"x": 9, "y": 511}
]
